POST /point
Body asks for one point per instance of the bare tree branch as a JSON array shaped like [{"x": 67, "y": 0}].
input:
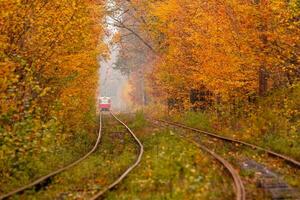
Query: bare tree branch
[{"x": 120, "y": 24}]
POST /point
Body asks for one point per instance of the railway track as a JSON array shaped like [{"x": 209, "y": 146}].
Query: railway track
[
  {"x": 103, "y": 191},
  {"x": 231, "y": 140},
  {"x": 129, "y": 169},
  {"x": 274, "y": 186},
  {"x": 238, "y": 184}
]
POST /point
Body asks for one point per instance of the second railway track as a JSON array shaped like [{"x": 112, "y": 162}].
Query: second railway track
[
  {"x": 231, "y": 140},
  {"x": 271, "y": 169},
  {"x": 238, "y": 184}
]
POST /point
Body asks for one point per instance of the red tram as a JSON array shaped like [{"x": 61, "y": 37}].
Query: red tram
[{"x": 105, "y": 103}]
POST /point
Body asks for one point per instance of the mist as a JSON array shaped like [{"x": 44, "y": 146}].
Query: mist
[{"x": 112, "y": 81}]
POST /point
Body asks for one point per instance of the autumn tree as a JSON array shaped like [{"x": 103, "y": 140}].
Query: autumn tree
[
  {"x": 234, "y": 49},
  {"x": 49, "y": 74},
  {"x": 135, "y": 49}
]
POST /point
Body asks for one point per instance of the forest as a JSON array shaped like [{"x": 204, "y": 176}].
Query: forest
[{"x": 229, "y": 69}]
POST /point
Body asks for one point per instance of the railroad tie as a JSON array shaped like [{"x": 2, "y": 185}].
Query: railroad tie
[{"x": 273, "y": 185}]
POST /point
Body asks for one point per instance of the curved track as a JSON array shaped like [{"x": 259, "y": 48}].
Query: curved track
[
  {"x": 239, "y": 187},
  {"x": 43, "y": 178},
  {"x": 135, "y": 164},
  {"x": 285, "y": 158}
]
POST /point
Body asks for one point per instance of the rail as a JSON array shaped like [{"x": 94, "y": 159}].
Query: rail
[
  {"x": 43, "y": 178},
  {"x": 134, "y": 165}
]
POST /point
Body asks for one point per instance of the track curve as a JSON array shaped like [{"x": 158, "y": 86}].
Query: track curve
[
  {"x": 43, "y": 178},
  {"x": 134, "y": 165},
  {"x": 286, "y": 158},
  {"x": 238, "y": 184}
]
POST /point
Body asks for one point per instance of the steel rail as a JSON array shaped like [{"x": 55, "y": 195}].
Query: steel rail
[
  {"x": 238, "y": 184},
  {"x": 134, "y": 165},
  {"x": 43, "y": 178},
  {"x": 228, "y": 139}
]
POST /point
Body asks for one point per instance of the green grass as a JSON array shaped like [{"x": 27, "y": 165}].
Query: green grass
[
  {"x": 198, "y": 120},
  {"x": 114, "y": 154},
  {"x": 139, "y": 121},
  {"x": 272, "y": 122},
  {"x": 52, "y": 147},
  {"x": 46, "y": 162},
  {"x": 172, "y": 169},
  {"x": 276, "y": 136}
]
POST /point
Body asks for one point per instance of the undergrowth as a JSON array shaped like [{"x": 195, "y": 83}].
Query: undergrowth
[
  {"x": 171, "y": 168},
  {"x": 35, "y": 148},
  {"x": 139, "y": 120},
  {"x": 272, "y": 121}
]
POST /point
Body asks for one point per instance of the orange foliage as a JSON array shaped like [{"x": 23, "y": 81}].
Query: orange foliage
[
  {"x": 224, "y": 46},
  {"x": 48, "y": 66}
]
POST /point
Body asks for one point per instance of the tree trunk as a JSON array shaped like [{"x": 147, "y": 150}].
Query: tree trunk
[{"x": 263, "y": 81}]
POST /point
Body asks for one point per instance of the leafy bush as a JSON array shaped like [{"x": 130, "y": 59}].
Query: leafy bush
[
  {"x": 197, "y": 119},
  {"x": 139, "y": 120}
]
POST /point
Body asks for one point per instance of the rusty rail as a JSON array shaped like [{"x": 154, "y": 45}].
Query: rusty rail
[
  {"x": 125, "y": 174},
  {"x": 43, "y": 178},
  {"x": 286, "y": 158},
  {"x": 238, "y": 184}
]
